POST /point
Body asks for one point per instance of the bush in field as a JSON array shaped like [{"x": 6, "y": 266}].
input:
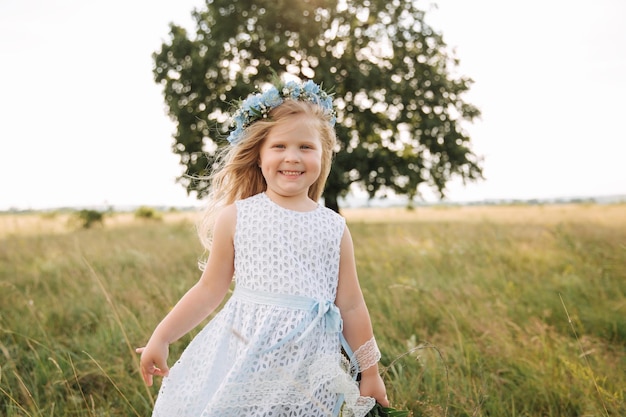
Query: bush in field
[
  {"x": 88, "y": 217},
  {"x": 147, "y": 213}
]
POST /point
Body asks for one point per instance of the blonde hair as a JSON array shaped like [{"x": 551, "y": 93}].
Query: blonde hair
[{"x": 236, "y": 174}]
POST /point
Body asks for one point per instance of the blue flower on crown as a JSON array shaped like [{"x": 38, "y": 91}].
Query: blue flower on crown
[
  {"x": 258, "y": 105},
  {"x": 310, "y": 88},
  {"x": 272, "y": 98}
]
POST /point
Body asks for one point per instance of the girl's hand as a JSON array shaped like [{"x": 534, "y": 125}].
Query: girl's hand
[
  {"x": 372, "y": 385},
  {"x": 153, "y": 361}
]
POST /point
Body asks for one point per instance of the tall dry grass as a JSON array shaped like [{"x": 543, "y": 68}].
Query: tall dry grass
[{"x": 479, "y": 311}]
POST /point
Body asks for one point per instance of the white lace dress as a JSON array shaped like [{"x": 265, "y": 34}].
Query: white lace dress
[{"x": 274, "y": 349}]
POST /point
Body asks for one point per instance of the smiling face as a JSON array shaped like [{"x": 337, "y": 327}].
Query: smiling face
[{"x": 291, "y": 158}]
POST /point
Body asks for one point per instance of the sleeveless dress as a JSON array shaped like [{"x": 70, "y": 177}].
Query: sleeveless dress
[{"x": 275, "y": 347}]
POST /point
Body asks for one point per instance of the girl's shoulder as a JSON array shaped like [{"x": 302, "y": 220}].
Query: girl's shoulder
[
  {"x": 335, "y": 220},
  {"x": 227, "y": 214},
  {"x": 253, "y": 206},
  {"x": 333, "y": 214},
  {"x": 252, "y": 200}
]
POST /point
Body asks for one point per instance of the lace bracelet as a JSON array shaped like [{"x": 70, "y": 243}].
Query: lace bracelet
[{"x": 367, "y": 355}]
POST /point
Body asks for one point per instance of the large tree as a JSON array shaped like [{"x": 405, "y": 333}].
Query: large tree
[{"x": 401, "y": 112}]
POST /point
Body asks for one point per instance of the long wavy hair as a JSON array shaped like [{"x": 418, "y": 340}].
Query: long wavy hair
[{"x": 237, "y": 175}]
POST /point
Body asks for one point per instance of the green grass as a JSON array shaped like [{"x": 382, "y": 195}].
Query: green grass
[{"x": 475, "y": 314}]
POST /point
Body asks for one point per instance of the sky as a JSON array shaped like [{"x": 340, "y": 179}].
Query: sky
[{"x": 82, "y": 122}]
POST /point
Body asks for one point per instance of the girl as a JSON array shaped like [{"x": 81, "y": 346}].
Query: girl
[{"x": 275, "y": 347}]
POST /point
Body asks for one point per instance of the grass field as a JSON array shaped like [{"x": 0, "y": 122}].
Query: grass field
[{"x": 479, "y": 311}]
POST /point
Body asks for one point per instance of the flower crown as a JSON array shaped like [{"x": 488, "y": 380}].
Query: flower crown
[{"x": 258, "y": 105}]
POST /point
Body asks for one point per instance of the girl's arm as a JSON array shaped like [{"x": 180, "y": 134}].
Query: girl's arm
[
  {"x": 357, "y": 326},
  {"x": 200, "y": 301}
]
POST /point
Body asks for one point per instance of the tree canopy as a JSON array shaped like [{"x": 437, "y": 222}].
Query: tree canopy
[{"x": 400, "y": 106}]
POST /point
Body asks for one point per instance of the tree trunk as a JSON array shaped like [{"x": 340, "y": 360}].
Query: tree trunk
[{"x": 330, "y": 201}]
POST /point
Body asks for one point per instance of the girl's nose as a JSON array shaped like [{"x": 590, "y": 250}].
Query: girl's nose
[{"x": 292, "y": 155}]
